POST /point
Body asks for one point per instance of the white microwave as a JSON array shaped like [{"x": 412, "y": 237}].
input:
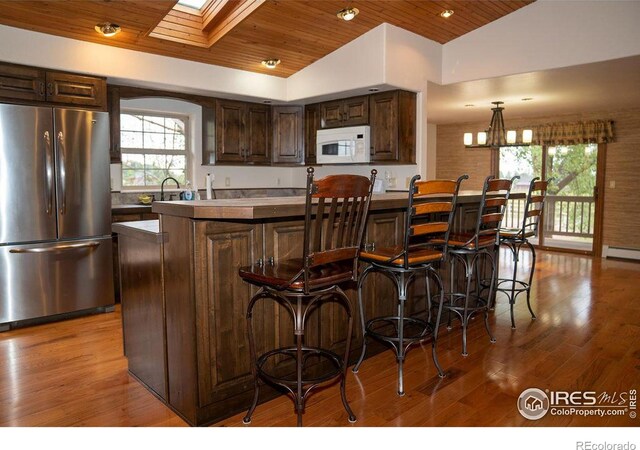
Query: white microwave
[{"x": 343, "y": 145}]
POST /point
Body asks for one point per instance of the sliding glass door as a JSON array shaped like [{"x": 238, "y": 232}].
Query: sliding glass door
[{"x": 572, "y": 213}]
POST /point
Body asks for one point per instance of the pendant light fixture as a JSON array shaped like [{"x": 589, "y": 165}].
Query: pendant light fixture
[{"x": 496, "y": 135}]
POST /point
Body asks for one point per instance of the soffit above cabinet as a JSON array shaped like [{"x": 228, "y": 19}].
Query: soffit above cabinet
[{"x": 245, "y": 32}]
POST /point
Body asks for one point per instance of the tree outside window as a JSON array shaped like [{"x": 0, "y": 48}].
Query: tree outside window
[{"x": 153, "y": 147}]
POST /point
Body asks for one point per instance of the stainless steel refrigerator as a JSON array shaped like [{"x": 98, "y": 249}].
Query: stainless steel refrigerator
[{"x": 55, "y": 212}]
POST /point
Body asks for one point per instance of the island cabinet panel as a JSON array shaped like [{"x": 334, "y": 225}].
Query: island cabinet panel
[
  {"x": 222, "y": 297},
  {"x": 143, "y": 312},
  {"x": 180, "y": 309}
]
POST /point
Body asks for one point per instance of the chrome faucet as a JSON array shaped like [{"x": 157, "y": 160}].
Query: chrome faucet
[{"x": 162, "y": 186}]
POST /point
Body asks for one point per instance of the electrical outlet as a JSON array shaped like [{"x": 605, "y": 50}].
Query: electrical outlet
[
  {"x": 407, "y": 182},
  {"x": 227, "y": 181},
  {"x": 612, "y": 184},
  {"x": 278, "y": 182}
]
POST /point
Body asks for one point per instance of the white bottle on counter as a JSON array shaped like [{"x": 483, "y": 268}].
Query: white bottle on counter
[{"x": 208, "y": 186}]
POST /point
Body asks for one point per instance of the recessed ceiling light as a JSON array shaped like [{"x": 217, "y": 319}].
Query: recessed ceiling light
[
  {"x": 446, "y": 13},
  {"x": 108, "y": 29},
  {"x": 468, "y": 105},
  {"x": 270, "y": 63},
  {"x": 347, "y": 13},
  {"x": 526, "y": 99}
]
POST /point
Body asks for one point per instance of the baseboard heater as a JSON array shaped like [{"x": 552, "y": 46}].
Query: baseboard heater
[{"x": 617, "y": 252}]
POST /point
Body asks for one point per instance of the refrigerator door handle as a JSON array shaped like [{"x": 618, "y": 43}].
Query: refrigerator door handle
[
  {"x": 48, "y": 168},
  {"x": 58, "y": 248},
  {"x": 63, "y": 174}
]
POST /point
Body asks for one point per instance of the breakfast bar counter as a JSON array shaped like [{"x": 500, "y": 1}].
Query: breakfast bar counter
[{"x": 202, "y": 369}]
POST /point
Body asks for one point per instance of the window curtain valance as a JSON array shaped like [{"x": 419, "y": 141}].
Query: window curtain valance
[{"x": 568, "y": 133}]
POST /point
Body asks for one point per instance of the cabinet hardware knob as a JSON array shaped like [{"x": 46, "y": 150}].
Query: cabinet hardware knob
[{"x": 260, "y": 262}]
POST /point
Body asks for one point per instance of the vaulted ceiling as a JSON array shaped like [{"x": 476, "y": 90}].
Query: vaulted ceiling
[{"x": 298, "y": 32}]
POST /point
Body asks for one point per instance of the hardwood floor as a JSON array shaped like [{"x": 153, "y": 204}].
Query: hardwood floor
[{"x": 587, "y": 337}]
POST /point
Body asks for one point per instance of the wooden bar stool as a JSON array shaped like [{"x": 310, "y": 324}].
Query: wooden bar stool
[
  {"x": 429, "y": 214},
  {"x": 332, "y": 239},
  {"x": 468, "y": 248},
  {"x": 515, "y": 238}
]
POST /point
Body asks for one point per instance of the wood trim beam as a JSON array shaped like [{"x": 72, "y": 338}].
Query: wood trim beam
[{"x": 243, "y": 10}]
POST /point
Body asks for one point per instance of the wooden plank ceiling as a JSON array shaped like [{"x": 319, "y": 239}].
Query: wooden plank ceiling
[{"x": 298, "y": 32}]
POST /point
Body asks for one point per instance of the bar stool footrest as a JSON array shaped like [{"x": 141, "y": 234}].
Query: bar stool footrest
[
  {"x": 476, "y": 303},
  {"x": 426, "y": 329},
  {"x": 291, "y": 352}
]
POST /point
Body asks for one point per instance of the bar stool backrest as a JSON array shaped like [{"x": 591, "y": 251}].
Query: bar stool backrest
[
  {"x": 534, "y": 206},
  {"x": 334, "y": 233},
  {"x": 430, "y": 213},
  {"x": 495, "y": 195}
]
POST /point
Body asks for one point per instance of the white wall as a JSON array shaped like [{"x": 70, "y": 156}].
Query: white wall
[
  {"x": 544, "y": 35},
  {"x": 123, "y": 66},
  {"x": 358, "y": 64}
]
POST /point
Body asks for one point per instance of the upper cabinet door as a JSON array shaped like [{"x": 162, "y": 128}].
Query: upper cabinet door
[
  {"x": 287, "y": 135},
  {"x": 331, "y": 114},
  {"x": 384, "y": 126},
  {"x": 76, "y": 89},
  {"x": 345, "y": 113},
  {"x": 229, "y": 131},
  {"x": 356, "y": 111},
  {"x": 258, "y": 133},
  {"x": 311, "y": 125},
  {"x": 393, "y": 127},
  {"x": 22, "y": 83}
]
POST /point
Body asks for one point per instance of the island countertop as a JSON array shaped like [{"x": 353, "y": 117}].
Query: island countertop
[{"x": 279, "y": 207}]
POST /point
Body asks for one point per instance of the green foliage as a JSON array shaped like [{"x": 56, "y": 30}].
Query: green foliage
[{"x": 572, "y": 167}]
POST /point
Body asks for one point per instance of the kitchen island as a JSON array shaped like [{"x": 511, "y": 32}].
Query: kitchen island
[{"x": 193, "y": 275}]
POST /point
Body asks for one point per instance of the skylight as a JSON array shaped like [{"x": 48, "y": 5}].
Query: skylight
[{"x": 195, "y": 4}]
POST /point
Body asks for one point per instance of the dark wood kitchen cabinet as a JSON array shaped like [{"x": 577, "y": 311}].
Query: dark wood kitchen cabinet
[
  {"x": 311, "y": 125},
  {"x": 32, "y": 84},
  {"x": 345, "y": 112},
  {"x": 113, "y": 106},
  {"x": 392, "y": 117},
  {"x": 243, "y": 132},
  {"x": 288, "y": 139},
  {"x": 22, "y": 83},
  {"x": 77, "y": 90}
]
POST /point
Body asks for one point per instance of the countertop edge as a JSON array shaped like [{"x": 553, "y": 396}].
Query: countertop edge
[{"x": 146, "y": 230}]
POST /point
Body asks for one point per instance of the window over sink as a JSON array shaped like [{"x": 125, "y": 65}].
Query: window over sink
[{"x": 154, "y": 146}]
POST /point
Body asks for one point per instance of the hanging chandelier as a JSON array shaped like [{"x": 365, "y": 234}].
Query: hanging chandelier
[{"x": 496, "y": 135}]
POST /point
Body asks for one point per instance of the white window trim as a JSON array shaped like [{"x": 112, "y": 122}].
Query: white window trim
[{"x": 187, "y": 151}]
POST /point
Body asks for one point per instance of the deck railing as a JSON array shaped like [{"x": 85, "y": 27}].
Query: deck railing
[{"x": 564, "y": 215}]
